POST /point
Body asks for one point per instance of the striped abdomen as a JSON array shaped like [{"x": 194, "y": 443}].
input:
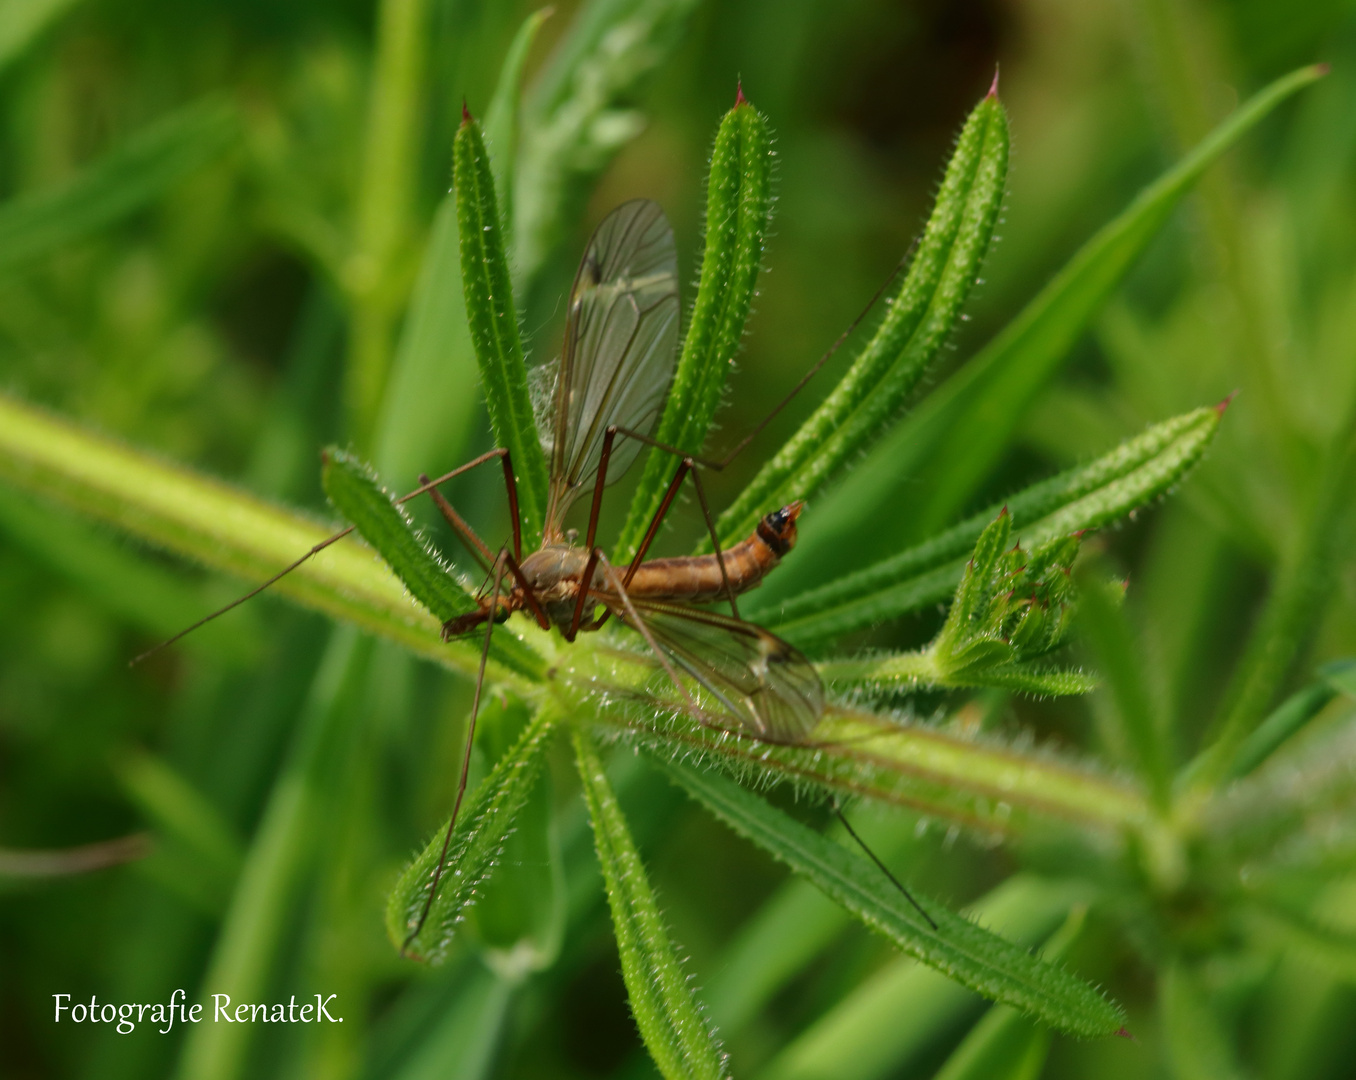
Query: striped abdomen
[{"x": 697, "y": 578}]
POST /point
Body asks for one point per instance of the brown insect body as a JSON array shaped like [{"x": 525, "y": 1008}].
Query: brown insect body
[{"x": 554, "y": 573}]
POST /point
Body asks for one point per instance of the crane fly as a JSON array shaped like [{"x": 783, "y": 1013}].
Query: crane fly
[{"x": 616, "y": 365}]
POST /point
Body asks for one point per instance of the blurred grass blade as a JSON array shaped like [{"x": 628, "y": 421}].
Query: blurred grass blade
[
  {"x": 354, "y": 491},
  {"x": 180, "y": 811},
  {"x": 21, "y": 21},
  {"x": 1005, "y": 1045},
  {"x": 1291, "y": 716},
  {"x": 501, "y": 118},
  {"x": 127, "y": 178},
  {"x": 282, "y": 854},
  {"x": 672, "y": 1023},
  {"x": 893, "y": 1016},
  {"x": 493, "y": 319},
  {"x": 429, "y": 409},
  {"x": 211, "y": 523},
  {"x": 974, "y": 957},
  {"x": 579, "y": 115},
  {"x": 966, "y": 423},
  {"x": 1198, "y": 1045},
  {"x": 461, "y": 1040},
  {"x": 1090, "y": 496},
  {"x": 488, "y": 817},
  {"x": 130, "y": 586},
  {"x": 1120, "y": 659},
  {"x": 738, "y": 210},
  {"x": 920, "y": 317}
]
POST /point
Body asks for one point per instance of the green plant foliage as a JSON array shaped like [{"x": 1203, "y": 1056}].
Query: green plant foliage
[
  {"x": 130, "y": 177},
  {"x": 963, "y": 951},
  {"x": 921, "y": 315},
  {"x": 487, "y": 821},
  {"x": 1088, "y": 497},
  {"x": 381, "y": 521},
  {"x": 669, "y": 1017},
  {"x": 493, "y": 319},
  {"x": 738, "y": 210},
  {"x": 227, "y": 240}
]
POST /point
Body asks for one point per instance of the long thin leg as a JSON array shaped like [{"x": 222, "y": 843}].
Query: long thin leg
[
  {"x": 467, "y": 535},
  {"x": 510, "y": 485},
  {"x": 465, "y": 760},
  {"x": 883, "y": 868}
]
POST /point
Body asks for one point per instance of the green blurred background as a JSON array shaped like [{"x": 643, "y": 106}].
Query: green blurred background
[{"x": 211, "y": 317}]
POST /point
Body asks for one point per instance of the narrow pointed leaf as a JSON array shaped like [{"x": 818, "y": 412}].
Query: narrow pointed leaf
[
  {"x": 738, "y": 209},
  {"x": 493, "y": 318},
  {"x": 920, "y": 317},
  {"x": 1005, "y": 1045},
  {"x": 1289, "y": 717},
  {"x": 966, "y": 423},
  {"x": 1090, "y": 496},
  {"x": 672, "y": 1022},
  {"x": 487, "y": 819},
  {"x": 353, "y": 489},
  {"x": 960, "y": 949}
]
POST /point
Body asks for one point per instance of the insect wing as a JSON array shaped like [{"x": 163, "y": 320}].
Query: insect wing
[
  {"x": 619, "y": 352},
  {"x": 768, "y": 686}
]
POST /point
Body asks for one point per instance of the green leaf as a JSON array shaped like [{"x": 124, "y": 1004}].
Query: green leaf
[
  {"x": 960, "y": 949},
  {"x": 966, "y": 423},
  {"x": 920, "y": 317},
  {"x": 493, "y": 319},
  {"x": 738, "y": 209},
  {"x": 488, "y": 817},
  {"x": 1120, "y": 659},
  {"x": 893, "y": 1016},
  {"x": 429, "y": 409},
  {"x": 1197, "y": 1042},
  {"x": 580, "y": 114},
  {"x": 134, "y": 588},
  {"x": 1290, "y": 716},
  {"x": 127, "y": 178},
  {"x": 672, "y": 1023},
  {"x": 1005, "y": 1045},
  {"x": 22, "y": 21},
  {"x": 353, "y": 489},
  {"x": 501, "y": 118},
  {"x": 1089, "y": 496}
]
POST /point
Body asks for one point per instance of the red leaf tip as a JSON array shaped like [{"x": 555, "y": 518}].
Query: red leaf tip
[
  {"x": 740, "y": 99},
  {"x": 466, "y": 117},
  {"x": 1225, "y": 403},
  {"x": 1124, "y": 1033},
  {"x": 993, "y": 88},
  {"x": 1322, "y": 69}
]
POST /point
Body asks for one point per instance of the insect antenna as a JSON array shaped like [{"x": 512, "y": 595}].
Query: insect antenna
[
  {"x": 240, "y": 599},
  {"x": 838, "y": 811},
  {"x": 463, "y": 530}
]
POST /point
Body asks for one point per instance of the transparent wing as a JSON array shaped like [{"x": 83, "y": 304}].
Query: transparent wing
[
  {"x": 768, "y": 686},
  {"x": 619, "y": 348}
]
